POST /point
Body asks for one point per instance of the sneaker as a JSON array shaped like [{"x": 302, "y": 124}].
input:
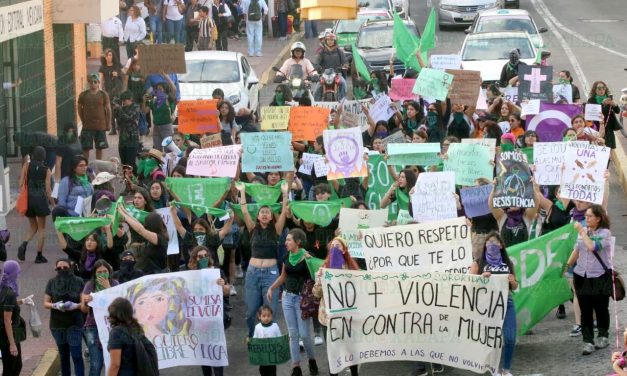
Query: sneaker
[
  {"x": 296, "y": 371},
  {"x": 313, "y": 367},
  {"x": 602, "y": 342},
  {"x": 588, "y": 348},
  {"x": 250, "y": 55},
  {"x": 561, "y": 312},
  {"x": 259, "y": 54},
  {"x": 40, "y": 259},
  {"x": 318, "y": 341},
  {"x": 437, "y": 368},
  {"x": 21, "y": 251},
  {"x": 239, "y": 273},
  {"x": 301, "y": 345},
  {"x": 576, "y": 332},
  {"x": 506, "y": 374},
  {"x": 233, "y": 291}
]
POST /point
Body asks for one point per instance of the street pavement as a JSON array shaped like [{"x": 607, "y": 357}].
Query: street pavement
[{"x": 583, "y": 37}]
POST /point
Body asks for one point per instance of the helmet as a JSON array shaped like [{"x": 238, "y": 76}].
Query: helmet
[
  {"x": 300, "y": 45},
  {"x": 330, "y": 36},
  {"x": 322, "y": 35}
]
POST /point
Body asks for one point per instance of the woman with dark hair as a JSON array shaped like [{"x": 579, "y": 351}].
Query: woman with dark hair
[
  {"x": 134, "y": 81},
  {"x": 37, "y": 177},
  {"x": 492, "y": 130},
  {"x": 565, "y": 78},
  {"x": 134, "y": 30},
  {"x": 412, "y": 118},
  {"x": 282, "y": 95},
  {"x": 71, "y": 188},
  {"x": 592, "y": 278},
  {"x": 600, "y": 94},
  {"x": 458, "y": 124},
  {"x": 494, "y": 260},
  {"x": 399, "y": 191},
  {"x": 90, "y": 252},
  {"x": 100, "y": 280},
  {"x": 179, "y": 172},
  {"x": 155, "y": 236},
  {"x": 378, "y": 82},
  {"x": 228, "y": 126},
  {"x": 514, "y": 222},
  {"x": 11, "y": 332},
  {"x": 434, "y": 123},
  {"x": 293, "y": 275},
  {"x": 516, "y": 124},
  {"x": 68, "y": 146},
  {"x": 111, "y": 78},
  {"x": 62, "y": 298},
  {"x": 160, "y": 195},
  {"x": 528, "y": 139},
  {"x": 585, "y": 133}
]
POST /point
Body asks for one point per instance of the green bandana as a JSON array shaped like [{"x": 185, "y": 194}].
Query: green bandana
[
  {"x": 84, "y": 180},
  {"x": 313, "y": 264},
  {"x": 569, "y": 138},
  {"x": 200, "y": 191},
  {"x": 77, "y": 227},
  {"x": 320, "y": 213},
  {"x": 359, "y": 93},
  {"x": 199, "y": 210},
  {"x": 559, "y": 204},
  {"x": 141, "y": 166},
  {"x": 203, "y": 263},
  {"x": 296, "y": 257},
  {"x": 458, "y": 116},
  {"x": 402, "y": 199},
  {"x": 104, "y": 275},
  {"x": 563, "y": 81},
  {"x": 600, "y": 98},
  {"x": 149, "y": 166},
  {"x": 264, "y": 194},
  {"x": 138, "y": 214}
]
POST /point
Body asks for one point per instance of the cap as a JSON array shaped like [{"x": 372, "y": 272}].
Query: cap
[
  {"x": 94, "y": 77},
  {"x": 127, "y": 253},
  {"x": 126, "y": 95}
]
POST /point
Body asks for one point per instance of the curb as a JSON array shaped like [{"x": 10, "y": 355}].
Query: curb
[
  {"x": 620, "y": 161},
  {"x": 265, "y": 77},
  {"x": 49, "y": 365}
]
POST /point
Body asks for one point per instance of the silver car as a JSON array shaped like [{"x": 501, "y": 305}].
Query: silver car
[{"x": 463, "y": 12}]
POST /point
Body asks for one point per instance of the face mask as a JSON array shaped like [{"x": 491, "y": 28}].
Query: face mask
[
  {"x": 382, "y": 135},
  {"x": 458, "y": 116},
  {"x": 63, "y": 273},
  {"x": 569, "y": 138},
  {"x": 563, "y": 81},
  {"x": 127, "y": 266},
  {"x": 203, "y": 263},
  {"x": 200, "y": 238},
  {"x": 336, "y": 260},
  {"x": 432, "y": 118},
  {"x": 280, "y": 98},
  {"x": 104, "y": 275},
  {"x": 493, "y": 254},
  {"x": 514, "y": 58}
]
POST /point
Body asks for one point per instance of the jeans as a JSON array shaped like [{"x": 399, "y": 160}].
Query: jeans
[
  {"x": 341, "y": 90},
  {"x": 282, "y": 24},
  {"x": 509, "y": 335},
  {"x": 174, "y": 29},
  {"x": 159, "y": 133},
  {"x": 156, "y": 27},
  {"x": 296, "y": 327},
  {"x": 96, "y": 360},
  {"x": 256, "y": 285},
  {"x": 69, "y": 344},
  {"x": 311, "y": 29},
  {"x": 254, "y": 34}
]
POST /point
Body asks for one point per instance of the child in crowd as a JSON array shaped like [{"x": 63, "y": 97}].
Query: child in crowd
[{"x": 266, "y": 329}]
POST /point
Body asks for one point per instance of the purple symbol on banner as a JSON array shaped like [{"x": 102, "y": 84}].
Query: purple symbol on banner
[
  {"x": 536, "y": 78},
  {"x": 341, "y": 156},
  {"x": 552, "y": 120}
]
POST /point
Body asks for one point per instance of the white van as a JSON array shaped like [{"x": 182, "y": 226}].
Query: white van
[{"x": 463, "y": 12}]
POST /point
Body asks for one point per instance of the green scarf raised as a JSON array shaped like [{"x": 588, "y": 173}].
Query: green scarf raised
[{"x": 296, "y": 257}]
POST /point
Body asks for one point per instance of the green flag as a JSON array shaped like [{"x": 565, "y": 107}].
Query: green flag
[
  {"x": 201, "y": 191},
  {"x": 253, "y": 209},
  {"x": 79, "y": 227},
  {"x": 138, "y": 214},
  {"x": 529, "y": 153},
  {"x": 269, "y": 351},
  {"x": 313, "y": 264},
  {"x": 427, "y": 42},
  {"x": 539, "y": 269},
  {"x": 538, "y": 57},
  {"x": 264, "y": 194},
  {"x": 200, "y": 209},
  {"x": 405, "y": 44},
  {"x": 318, "y": 212},
  {"x": 360, "y": 65}
]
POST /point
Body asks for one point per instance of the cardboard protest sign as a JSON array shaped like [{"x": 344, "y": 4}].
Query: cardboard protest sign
[
  {"x": 444, "y": 62},
  {"x": 425, "y": 154},
  {"x": 275, "y": 117},
  {"x": 158, "y": 58},
  {"x": 219, "y": 161},
  {"x": 200, "y": 191},
  {"x": 548, "y": 158},
  {"x": 173, "y": 238},
  {"x": 534, "y": 82},
  {"x": 539, "y": 264},
  {"x": 198, "y": 116},
  {"x": 395, "y": 138},
  {"x": 584, "y": 169},
  {"x": 381, "y": 109},
  {"x": 470, "y": 162},
  {"x": 432, "y": 317},
  {"x": 434, "y": 197},
  {"x": 475, "y": 200},
  {"x": 210, "y": 140},
  {"x": 308, "y": 163},
  {"x": 464, "y": 89},
  {"x": 563, "y": 93},
  {"x": 552, "y": 120},
  {"x": 401, "y": 89},
  {"x": 433, "y": 83},
  {"x": 352, "y": 220},
  {"x": 345, "y": 153},
  {"x": 267, "y": 151},
  {"x": 490, "y": 143},
  {"x": 185, "y": 305},
  {"x": 352, "y": 107},
  {"x": 269, "y": 351},
  {"x": 425, "y": 247},
  {"x": 513, "y": 181},
  {"x": 307, "y": 123}
]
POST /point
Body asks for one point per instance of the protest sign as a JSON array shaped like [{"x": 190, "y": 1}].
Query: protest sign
[
  {"x": 200, "y": 191},
  {"x": 563, "y": 93},
  {"x": 539, "y": 264},
  {"x": 352, "y": 220},
  {"x": 159, "y": 58},
  {"x": 433, "y": 83},
  {"x": 345, "y": 153},
  {"x": 535, "y": 82},
  {"x": 401, "y": 89},
  {"x": 379, "y": 181},
  {"x": 464, "y": 89},
  {"x": 482, "y": 100},
  {"x": 397, "y": 137},
  {"x": 510, "y": 94},
  {"x": 79, "y": 227},
  {"x": 198, "y": 116},
  {"x": 584, "y": 169},
  {"x": 475, "y": 200},
  {"x": 211, "y": 140},
  {"x": 434, "y": 197},
  {"x": 219, "y": 161},
  {"x": 350, "y": 120},
  {"x": 381, "y": 109},
  {"x": 443, "y": 62},
  {"x": 173, "y": 238},
  {"x": 425, "y": 247},
  {"x": 593, "y": 112},
  {"x": 454, "y": 320},
  {"x": 352, "y": 107},
  {"x": 552, "y": 120},
  {"x": 470, "y": 162},
  {"x": 306, "y": 123},
  {"x": 548, "y": 158},
  {"x": 275, "y": 117},
  {"x": 490, "y": 143},
  {"x": 531, "y": 107},
  {"x": 269, "y": 351},
  {"x": 318, "y": 212},
  {"x": 425, "y": 154},
  {"x": 308, "y": 163},
  {"x": 321, "y": 167},
  {"x": 513, "y": 181},
  {"x": 181, "y": 314},
  {"x": 267, "y": 151}
]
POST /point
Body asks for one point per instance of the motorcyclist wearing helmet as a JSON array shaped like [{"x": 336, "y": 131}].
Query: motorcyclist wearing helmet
[
  {"x": 298, "y": 57},
  {"x": 334, "y": 58}
]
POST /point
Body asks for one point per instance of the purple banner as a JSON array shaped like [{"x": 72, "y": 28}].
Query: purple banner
[{"x": 552, "y": 120}]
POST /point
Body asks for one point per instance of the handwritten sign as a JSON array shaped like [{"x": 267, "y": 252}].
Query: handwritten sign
[
  {"x": 593, "y": 112},
  {"x": 345, "y": 153},
  {"x": 490, "y": 143},
  {"x": 513, "y": 181},
  {"x": 584, "y": 169},
  {"x": 424, "y": 247},
  {"x": 425, "y": 154},
  {"x": 307, "y": 164},
  {"x": 198, "y": 116},
  {"x": 470, "y": 162},
  {"x": 320, "y": 167},
  {"x": 397, "y": 137},
  {"x": 269, "y": 351},
  {"x": 443, "y": 62},
  {"x": 392, "y": 316},
  {"x": 275, "y": 118},
  {"x": 535, "y": 82},
  {"x": 548, "y": 158},
  {"x": 510, "y": 94},
  {"x": 219, "y": 161},
  {"x": 381, "y": 109},
  {"x": 401, "y": 89},
  {"x": 158, "y": 58},
  {"x": 352, "y": 107},
  {"x": 210, "y": 140},
  {"x": 464, "y": 89},
  {"x": 353, "y": 220},
  {"x": 433, "y": 83},
  {"x": 531, "y": 107},
  {"x": 307, "y": 123},
  {"x": 173, "y": 239},
  {"x": 563, "y": 93},
  {"x": 267, "y": 151},
  {"x": 475, "y": 200},
  {"x": 434, "y": 197}
]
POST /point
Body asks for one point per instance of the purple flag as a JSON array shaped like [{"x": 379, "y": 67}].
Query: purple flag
[{"x": 552, "y": 120}]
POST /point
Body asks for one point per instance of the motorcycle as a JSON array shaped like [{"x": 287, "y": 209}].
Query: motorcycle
[
  {"x": 298, "y": 84},
  {"x": 330, "y": 86}
]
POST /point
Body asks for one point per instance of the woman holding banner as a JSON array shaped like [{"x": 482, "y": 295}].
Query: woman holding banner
[{"x": 494, "y": 260}]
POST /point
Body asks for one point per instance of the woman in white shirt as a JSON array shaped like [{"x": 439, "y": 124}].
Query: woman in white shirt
[
  {"x": 134, "y": 30},
  {"x": 174, "y": 21}
]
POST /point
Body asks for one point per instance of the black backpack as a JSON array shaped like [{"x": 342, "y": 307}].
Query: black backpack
[
  {"x": 146, "y": 361},
  {"x": 254, "y": 11}
]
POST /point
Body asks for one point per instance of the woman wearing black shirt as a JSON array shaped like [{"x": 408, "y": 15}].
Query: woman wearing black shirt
[{"x": 156, "y": 240}]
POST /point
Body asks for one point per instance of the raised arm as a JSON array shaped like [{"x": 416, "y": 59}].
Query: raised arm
[
  {"x": 280, "y": 222},
  {"x": 250, "y": 224},
  {"x": 138, "y": 227}
]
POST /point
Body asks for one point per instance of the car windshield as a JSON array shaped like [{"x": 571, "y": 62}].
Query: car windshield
[
  {"x": 488, "y": 25},
  {"x": 218, "y": 71},
  {"x": 374, "y": 4},
  {"x": 379, "y": 37},
  {"x": 352, "y": 26},
  {"x": 496, "y": 48}
]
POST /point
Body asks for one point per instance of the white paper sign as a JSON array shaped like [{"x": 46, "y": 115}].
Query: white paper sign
[
  {"x": 78, "y": 208},
  {"x": 531, "y": 107},
  {"x": 55, "y": 191},
  {"x": 381, "y": 109},
  {"x": 482, "y": 100},
  {"x": 593, "y": 112},
  {"x": 563, "y": 92},
  {"x": 218, "y": 161},
  {"x": 352, "y": 220},
  {"x": 321, "y": 167},
  {"x": 510, "y": 94},
  {"x": 442, "y": 62},
  {"x": 489, "y": 142},
  {"x": 548, "y": 158},
  {"x": 583, "y": 177},
  {"x": 308, "y": 163},
  {"x": 173, "y": 239},
  {"x": 505, "y": 127},
  {"x": 434, "y": 197}
]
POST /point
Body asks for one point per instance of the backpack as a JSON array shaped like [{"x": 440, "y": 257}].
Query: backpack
[
  {"x": 146, "y": 361},
  {"x": 142, "y": 126},
  {"x": 254, "y": 11}
]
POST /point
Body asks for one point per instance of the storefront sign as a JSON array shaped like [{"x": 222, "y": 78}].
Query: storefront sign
[{"x": 21, "y": 19}]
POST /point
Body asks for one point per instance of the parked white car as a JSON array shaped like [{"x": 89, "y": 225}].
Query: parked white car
[
  {"x": 508, "y": 20},
  {"x": 227, "y": 70}
]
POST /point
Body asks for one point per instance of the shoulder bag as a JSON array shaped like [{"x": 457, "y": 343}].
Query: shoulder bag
[
  {"x": 22, "y": 200},
  {"x": 617, "y": 288}
]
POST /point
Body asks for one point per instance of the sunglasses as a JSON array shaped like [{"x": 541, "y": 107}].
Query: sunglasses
[{"x": 600, "y": 87}]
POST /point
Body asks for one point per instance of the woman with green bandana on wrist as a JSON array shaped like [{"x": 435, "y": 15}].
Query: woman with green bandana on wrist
[{"x": 100, "y": 280}]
